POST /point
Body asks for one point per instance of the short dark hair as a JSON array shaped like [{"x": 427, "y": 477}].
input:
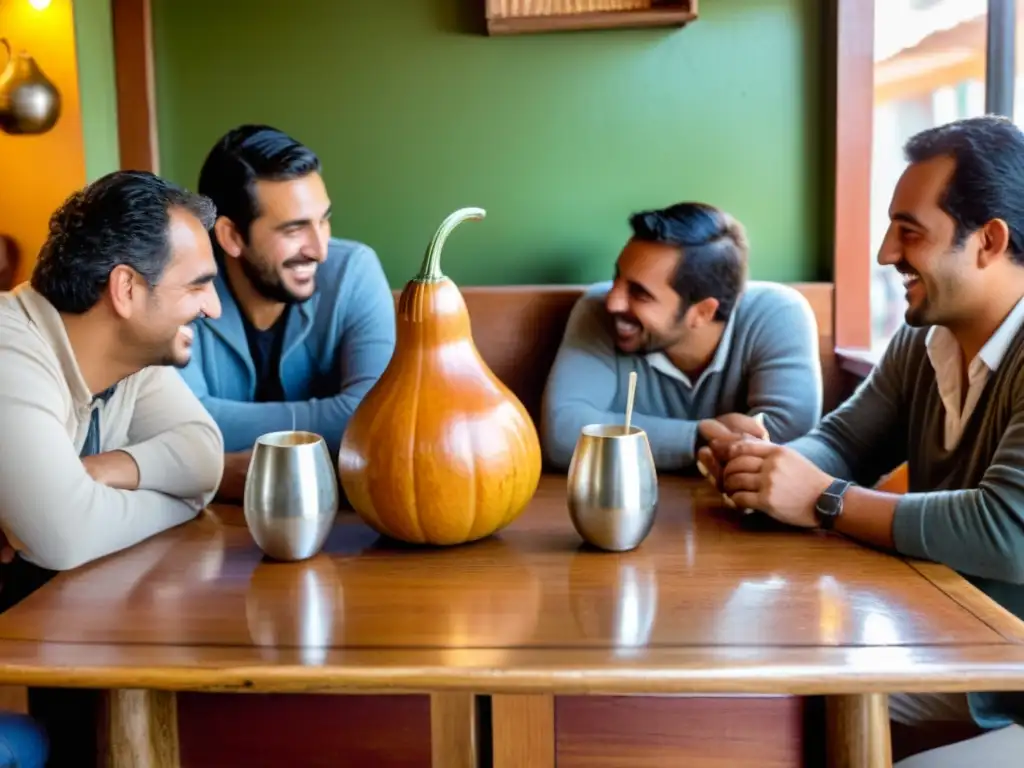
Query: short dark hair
[
  {"x": 988, "y": 177},
  {"x": 121, "y": 218},
  {"x": 713, "y": 246},
  {"x": 243, "y": 156}
]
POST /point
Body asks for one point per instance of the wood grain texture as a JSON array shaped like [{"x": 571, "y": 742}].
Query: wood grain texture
[
  {"x": 971, "y": 599},
  {"x": 712, "y": 601},
  {"x": 800, "y": 671},
  {"x": 705, "y": 578},
  {"x": 230, "y": 731},
  {"x": 858, "y": 732},
  {"x": 702, "y": 732},
  {"x": 505, "y": 17},
  {"x": 523, "y": 727},
  {"x": 142, "y": 729},
  {"x": 453, "y": 730}
]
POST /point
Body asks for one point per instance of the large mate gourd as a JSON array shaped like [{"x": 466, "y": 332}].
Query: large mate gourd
[{"x": 439, "y": 451}]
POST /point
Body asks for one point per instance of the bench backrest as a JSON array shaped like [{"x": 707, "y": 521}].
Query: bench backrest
[{"x": 518, "y": 328}]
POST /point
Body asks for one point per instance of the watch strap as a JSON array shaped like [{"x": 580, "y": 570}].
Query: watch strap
[{"x": 830, "y": 503}]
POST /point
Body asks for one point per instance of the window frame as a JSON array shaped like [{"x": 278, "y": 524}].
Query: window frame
[{"x": 854, "y": 44}]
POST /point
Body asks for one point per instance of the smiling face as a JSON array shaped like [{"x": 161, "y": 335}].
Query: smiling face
[
  {"x": 643, "y": 305},
  {"x": 159, "y": 319},
  {"x": 287, "y": 241},
  {"x": 939, "y": 275}
]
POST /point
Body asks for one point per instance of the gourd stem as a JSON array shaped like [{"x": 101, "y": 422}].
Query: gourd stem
[{"x": 430, "y": 271}]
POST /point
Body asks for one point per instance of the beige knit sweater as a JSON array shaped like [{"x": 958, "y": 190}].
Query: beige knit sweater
[{"x": 52, "y": 511}]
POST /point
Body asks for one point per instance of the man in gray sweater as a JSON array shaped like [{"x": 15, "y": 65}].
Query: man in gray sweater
[
  {"x": 947, "y": 398},
  {"x": 705, "y": 344}
]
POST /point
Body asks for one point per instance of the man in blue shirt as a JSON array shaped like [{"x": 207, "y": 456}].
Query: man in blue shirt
[{"x": 308, "y": 321}]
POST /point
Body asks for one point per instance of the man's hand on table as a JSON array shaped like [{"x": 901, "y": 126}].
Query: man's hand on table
[
  {"x": 773, "y": 479},
  {"x": 115, "y": 469},
  {"x": 232, "y": 485},
  {"x": 721, "y": 432}
]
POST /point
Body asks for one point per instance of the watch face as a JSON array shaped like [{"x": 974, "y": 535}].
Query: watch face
[{"x": 830, "y": 505}]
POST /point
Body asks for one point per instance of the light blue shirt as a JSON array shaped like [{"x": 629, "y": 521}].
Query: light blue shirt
[{"x": 336, "y": 346}]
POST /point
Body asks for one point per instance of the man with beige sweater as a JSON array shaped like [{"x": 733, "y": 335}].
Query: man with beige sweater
[{"x": 103, "y": 445}]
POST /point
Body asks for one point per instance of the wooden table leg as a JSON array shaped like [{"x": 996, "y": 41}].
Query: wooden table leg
[
  {"x": 14, "y": 698},
  {"x": 524, "y": 730},
  {"x": 142, "y": 729},
  {"x": 858, "y": 731},
  {"x": 453, "y": 730}
]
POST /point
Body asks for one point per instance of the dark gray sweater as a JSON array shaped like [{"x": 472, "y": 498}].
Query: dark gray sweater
[{"x": 964, "y": 508}]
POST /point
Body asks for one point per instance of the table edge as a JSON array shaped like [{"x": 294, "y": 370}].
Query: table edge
[
  {"x": 791, "y": 671},
  {"x": 971, "y": 599}
]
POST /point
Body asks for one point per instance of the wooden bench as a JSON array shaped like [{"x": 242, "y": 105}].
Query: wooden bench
[{"x": 518, "y": 328}]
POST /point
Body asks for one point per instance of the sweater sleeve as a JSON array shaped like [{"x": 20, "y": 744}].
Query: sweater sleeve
[
  {"x": 51, "y": 509},
  {"x": 864, "y": 438},
  {"x": 176, "y": 444},
  {"x": 367, "y": 343},
  {"x": 976, "y": 531},
  {"x": 580, "y": 389},
  {"x": 784, "y": 375}
]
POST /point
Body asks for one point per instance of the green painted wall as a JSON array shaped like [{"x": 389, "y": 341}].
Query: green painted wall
[
  {"x": 415, "y": 113},
  {"x": 94, "y": 49}
]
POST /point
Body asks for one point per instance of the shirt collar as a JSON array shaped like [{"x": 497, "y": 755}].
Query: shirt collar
[
  {"x": 659, "y": 360},
  {"x": 941, "y": 344}
]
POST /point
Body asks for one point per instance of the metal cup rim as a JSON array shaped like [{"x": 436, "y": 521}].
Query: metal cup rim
[
  {"x": 289, "y": 438},
  {"x": 611, "y": 431}
]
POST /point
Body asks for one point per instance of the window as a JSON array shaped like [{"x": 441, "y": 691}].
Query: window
[
  {"x": 929, "y": 69},
  {"x": 903, "y": 66},
  {"x": 1018, "y": 81}
]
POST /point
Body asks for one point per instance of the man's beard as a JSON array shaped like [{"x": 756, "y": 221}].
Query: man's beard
[
  {"x": 647, "y": 341},
  {"x": 267, "y": 282}
]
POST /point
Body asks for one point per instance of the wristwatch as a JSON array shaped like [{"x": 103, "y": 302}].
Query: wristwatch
[{"x": 830, "y": 503}]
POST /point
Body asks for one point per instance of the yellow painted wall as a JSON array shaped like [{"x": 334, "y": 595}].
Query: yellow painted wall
[{"x": 38, "y": 172}]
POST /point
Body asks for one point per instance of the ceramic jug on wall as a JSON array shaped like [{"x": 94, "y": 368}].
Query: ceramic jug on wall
[{"x": 29, "y": 102}]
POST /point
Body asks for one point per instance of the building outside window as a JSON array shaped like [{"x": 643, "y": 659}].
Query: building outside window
[{"x": 929, "y": 69}]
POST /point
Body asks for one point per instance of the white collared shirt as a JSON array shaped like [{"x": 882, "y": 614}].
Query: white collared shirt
[
  {"x": 944, "y": 354},
  {"x": 659, "y": 360}
]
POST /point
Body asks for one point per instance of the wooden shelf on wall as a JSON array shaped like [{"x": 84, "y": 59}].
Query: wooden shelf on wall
[{"x": 516, "y": 17}]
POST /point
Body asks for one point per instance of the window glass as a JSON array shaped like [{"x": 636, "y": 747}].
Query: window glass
[
  {"x": 929, "y": 70},
  {"x": 1018, "y": 80}
]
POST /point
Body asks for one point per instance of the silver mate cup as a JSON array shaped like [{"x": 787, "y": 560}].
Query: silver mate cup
[
  {"x": 613, "y": 486},
  {"x": 291, "y": 494}
]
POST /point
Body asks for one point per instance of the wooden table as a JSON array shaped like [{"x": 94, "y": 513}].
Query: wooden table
[{"x": 699, "y": 648}]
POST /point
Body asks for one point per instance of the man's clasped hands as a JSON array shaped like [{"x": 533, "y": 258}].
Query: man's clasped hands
[{"x": 753, "y": 473}]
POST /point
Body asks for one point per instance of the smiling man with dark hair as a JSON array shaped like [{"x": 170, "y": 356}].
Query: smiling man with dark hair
[
  {"x": 102, "y": 444},
  {"x": 309, "y": 322},
  {"x": 709, "y": 346},
  {"x": 947, "y": 398}
]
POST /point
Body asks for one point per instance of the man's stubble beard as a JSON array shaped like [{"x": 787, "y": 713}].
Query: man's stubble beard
[{"x": 269, "y": 284}]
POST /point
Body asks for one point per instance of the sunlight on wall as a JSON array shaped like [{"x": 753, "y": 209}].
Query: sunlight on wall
[{"x": 38, "y": 172}]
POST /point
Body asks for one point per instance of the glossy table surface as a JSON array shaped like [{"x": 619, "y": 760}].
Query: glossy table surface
[{"x": 712, "y": 601}]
